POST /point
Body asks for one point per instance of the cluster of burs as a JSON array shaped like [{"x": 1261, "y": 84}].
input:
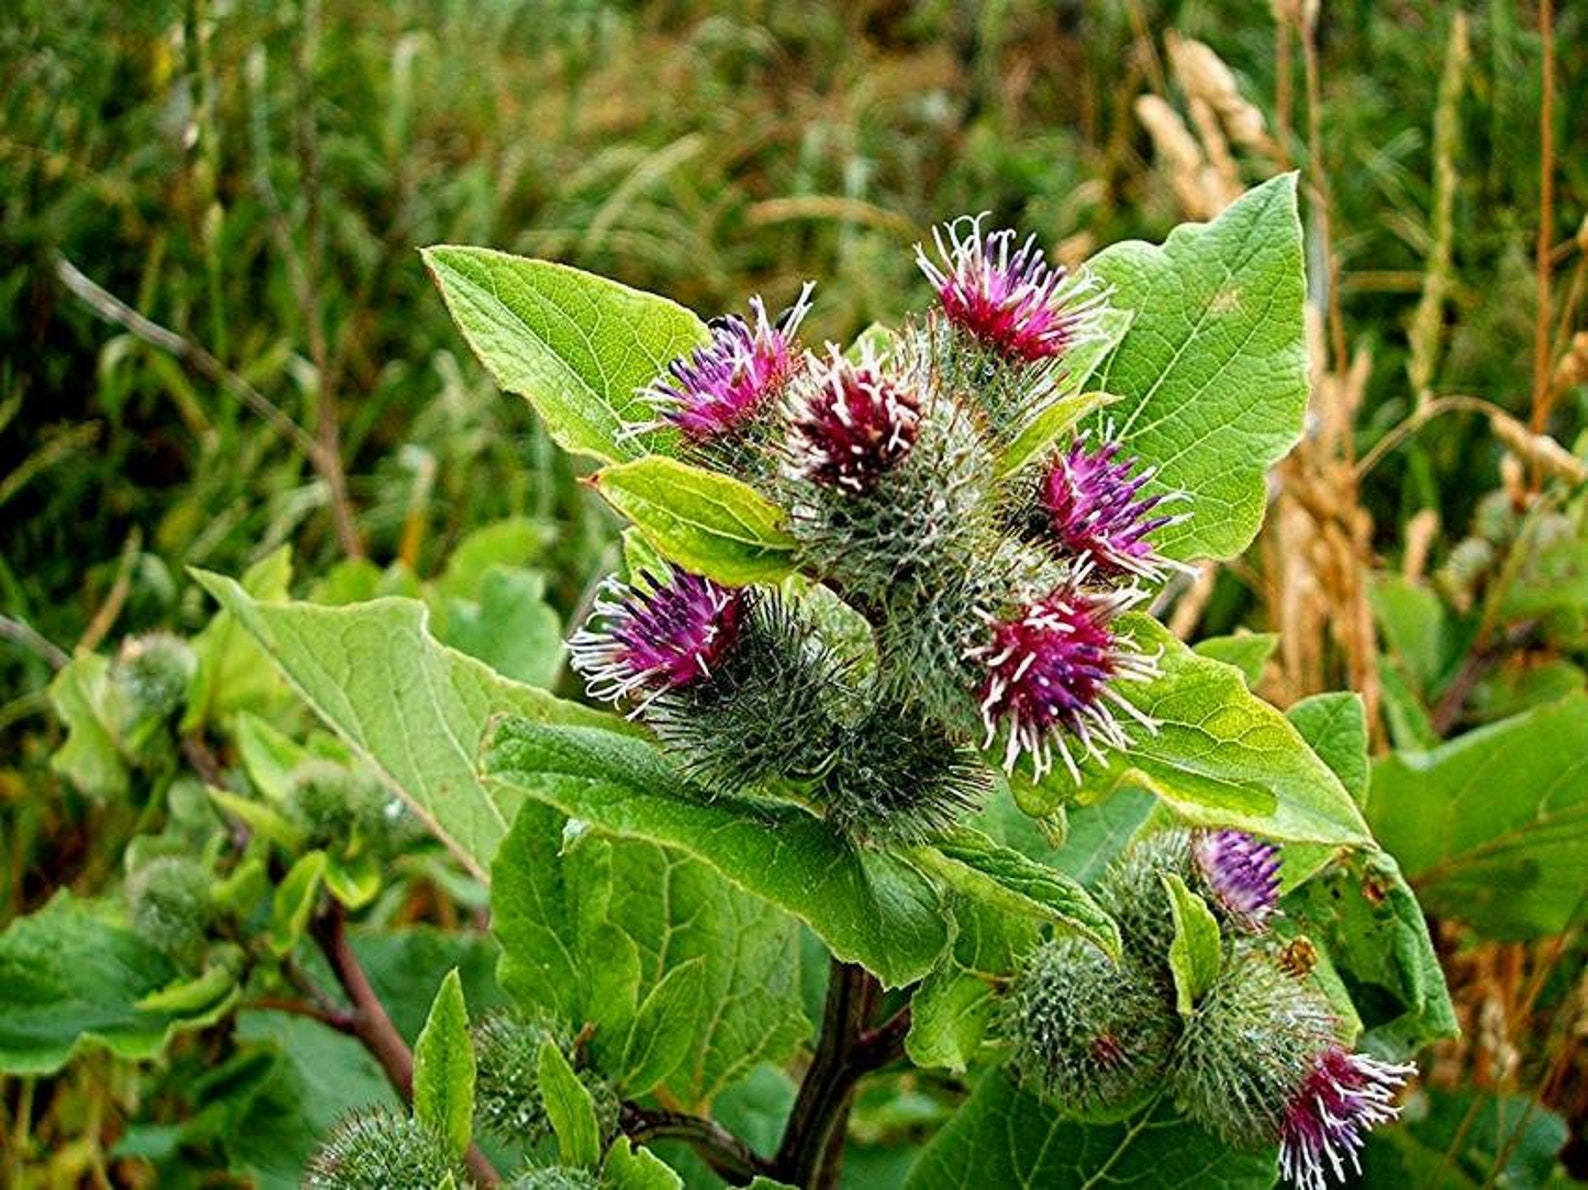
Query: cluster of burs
[
  {"x": 947, "y": 601},
  {"x": 959, "y": 591},
  {"x": 1251, "y": 1050}
]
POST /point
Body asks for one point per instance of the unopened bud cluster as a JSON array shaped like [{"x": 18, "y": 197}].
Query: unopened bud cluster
[
  {"x": 1258, "y": 1058},
  {"x": 992, "y": 594}
]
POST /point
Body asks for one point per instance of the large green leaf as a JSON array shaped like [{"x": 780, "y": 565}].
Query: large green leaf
[
  {"x": 1372, "y": 929},
  {"x": 1492, "y": 828},
  {"x": 591, "y": 926},
  {"x": 576, "y": 345},
  {"x": 1222, "y": 756},
  {"x": 1213, "y": 371},
  {"x": 870, "y": 907},
  {"x": 413, "y": 708},
  {"x": 72, "y": 975},
  {"x": 706, "y": 522},
  {"x": 1003, "y": 1136}
]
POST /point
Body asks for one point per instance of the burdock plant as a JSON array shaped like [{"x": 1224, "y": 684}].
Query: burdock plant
[{"x": 877, "y": 599}]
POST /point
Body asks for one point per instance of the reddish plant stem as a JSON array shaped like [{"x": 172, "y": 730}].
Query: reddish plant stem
[
  {"x": 846, "y": 1050},
  {"x": 369, "y": 1022}
]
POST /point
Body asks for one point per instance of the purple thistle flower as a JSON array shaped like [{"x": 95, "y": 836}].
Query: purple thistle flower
[
  {"x": 1242, "y": 873},
  {"x": 654, "y": 641},
  {"x": 1048, "y": 676},
  {"x": 1009, "y": 297},
  {"x": 719, "y": 387},
  {"x": 1095, "y": 508},
  {"x": 853, "y": 425},
  {"x": 1325, "y": 1121}
]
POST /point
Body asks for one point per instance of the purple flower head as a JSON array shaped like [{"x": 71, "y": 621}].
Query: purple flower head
[
  {"x": 1008, "y": 296},
  {"x": 664, "y": 638},
  {"x": 721, "y": 386},
  {"x": 1325, "y": 1121},
  {"x": 1048, "y": 673},
  {"x": 1095, "y": 507},
  {"x": 1242, "y": 873},
  {"x": 854, "y": 424}
]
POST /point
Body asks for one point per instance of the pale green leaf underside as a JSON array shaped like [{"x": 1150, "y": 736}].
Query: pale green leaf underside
[
  {"x": 1004, "y": 1137},
  {"x": 1492, "y": 827},
  {"x": 1212, "y": 373},
  {"x": 1222, "y": 756},
  {"x": 576, "y": 345},
  {"x": 870, "y": 907},
  {"x": 706, "y": 522},
  {"x": 987, "y": 871},
  {"x": 413, "y": 708}
]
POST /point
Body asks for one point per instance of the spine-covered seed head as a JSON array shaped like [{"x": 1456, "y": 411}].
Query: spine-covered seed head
[
  {"x": 1092, "y": 506},
  {"x": 1132, "y": 890},
  {"x": 719, "y": 391},
  {"x": 1006, "y": 294},
  {"x": 1242, "y": 873},
  {"x": 507, "y": 1098},
  {"x": 1048, "y": 675},
  {"x": 1250, "y": 1048},
  {"x": 1090, "y": 1036},
  {"x": 851, "y": 424},
  {"x": 897, "y": 779},
  {"x": 556, "y": 1177},
  {"x": 667, "y": 635},
  {"x": 379, "y": 1150}
]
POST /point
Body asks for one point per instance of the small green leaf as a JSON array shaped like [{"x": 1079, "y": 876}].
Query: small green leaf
[
  {"x": 1246, "y": 651},
  {"x": 628, "y": 1167},
  {"x": 953, "y": 1007},
  {"x": 979, "y": 868},
  {"x": 1005, "y": 1136},
  {"x": 1213, "y": 371},
  {"x": 1194, "y": 954},
  {"x": 84, "y": 699},
  {"x": 578, "y": 346},
  {"x": 665, "y": 1028},
  {"x": 1222, "y": 756},
  {"x": 190, "y": 997},
  {"x": 705, "y": 522},
  {"x": 270, "y": 757},
  {"x": 411, "y": 707},
  {"x": 444, "y": 1068},
  {"x": 870, "y": 907},
  {"x": 260, "y": 818},
  {"x": 353, "y": 880},
  {"x": 233, "y": 672},
  {"x": 511, "y": 543},
  {"x": 569, "y": 1107},
  {"x": 1043, "y": 431},
  {"x": 1492, "y": 827},
  {"x": 293, "y": 903}
]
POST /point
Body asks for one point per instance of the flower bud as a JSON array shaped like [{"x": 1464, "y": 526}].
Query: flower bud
[
  {"x": 507, "y": 1098},
  {"x": 380, "y": 1150},
  {"x": 724, "y": 395},
  {"x": 1091, "y": 1036},
  {"x": 170, "y": 900},
  {"x": 1241, "y": 873},
  {"x": 152, "y": 674},
  {"x": 734, "y": 682}
]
